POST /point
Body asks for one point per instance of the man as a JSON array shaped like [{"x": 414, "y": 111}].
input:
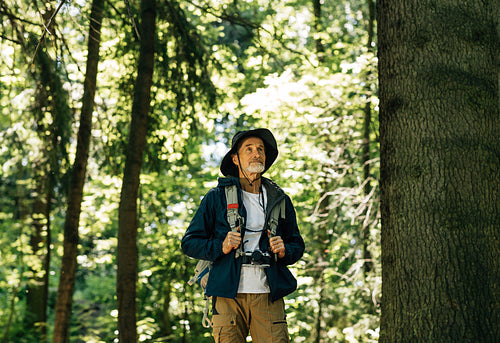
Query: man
[{"x": 249, "y": 275}]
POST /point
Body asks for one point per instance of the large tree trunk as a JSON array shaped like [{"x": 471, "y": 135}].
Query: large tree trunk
[
  {"x": 440, "y": 149},
  {"x": 75, "y": 193},
  {"x": 127, "y": 217}
]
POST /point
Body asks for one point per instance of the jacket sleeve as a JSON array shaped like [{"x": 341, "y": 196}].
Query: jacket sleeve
[
  {"x": 294, "y": 244},
  {"x": 200, "y": 240}
]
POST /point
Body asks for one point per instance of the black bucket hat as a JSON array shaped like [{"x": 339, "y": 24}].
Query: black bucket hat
[{"x": 228, "y": 168}]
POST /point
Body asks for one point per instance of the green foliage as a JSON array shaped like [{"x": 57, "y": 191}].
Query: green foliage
[{"x": 220, "y": 67}]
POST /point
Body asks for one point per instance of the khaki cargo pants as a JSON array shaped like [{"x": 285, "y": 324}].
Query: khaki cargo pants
[{"x": 233, "y": 319}]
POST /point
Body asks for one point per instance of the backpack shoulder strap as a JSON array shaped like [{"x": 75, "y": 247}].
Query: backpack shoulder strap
[
  {"x": 277, "y": 212},
  {"x": 233, "y": 216}
]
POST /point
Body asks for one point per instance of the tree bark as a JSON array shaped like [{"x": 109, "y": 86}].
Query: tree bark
[
  {"x": 367, "y": 120},
  {"x": 324, "y": 237},
  {"x": 38, "y": 284},
  {"x": 127, "y": 213},
  {"x": 440, "y": 185},
  {"x": 20, "y": 213},
  {"x": 75, "y": 194},
  {"x": 166, "y": 326},
  {"x": 320, "y": 49}
]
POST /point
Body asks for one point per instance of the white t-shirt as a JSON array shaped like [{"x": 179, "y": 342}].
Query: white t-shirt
[{"x": 253, "y": 279}]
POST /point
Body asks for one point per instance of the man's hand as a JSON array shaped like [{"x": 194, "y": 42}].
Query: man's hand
[
  {"x": 232, "y": 241},
  {"x": 277, "y": 245}
]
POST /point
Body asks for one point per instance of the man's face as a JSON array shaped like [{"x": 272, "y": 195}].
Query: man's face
[{"x": 252, "y": 155}]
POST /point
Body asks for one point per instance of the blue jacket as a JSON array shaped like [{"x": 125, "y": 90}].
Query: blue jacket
[{"x": 208, "y": 228}]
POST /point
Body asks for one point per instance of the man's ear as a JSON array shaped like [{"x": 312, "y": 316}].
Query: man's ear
[{"x": 235, "y": 159}]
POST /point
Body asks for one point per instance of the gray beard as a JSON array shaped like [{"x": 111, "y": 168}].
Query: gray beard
[{"x": 255, "y": 168}]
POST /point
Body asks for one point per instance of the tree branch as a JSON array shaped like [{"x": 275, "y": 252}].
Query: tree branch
[
  {"x": 132, "y": 19},
  {"x": 46, "y": 29},
  {"x": 236, "y": 20}
]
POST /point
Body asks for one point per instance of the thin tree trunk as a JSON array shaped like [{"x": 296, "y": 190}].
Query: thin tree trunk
[
  {"x": 324, "y": 237},
  {"x": 20, "y": 214},
  {"x": 321, "y": 301},
  {"x": 440, "y": 167},
  {"x": 127, "y": 217},
  {"x": 12, "y": 310},
  {"x": 167, "y": 323},
  {"x": 320, "y": 50},
  {"x": 368, "y": 264},
  {"x": 37, "y": 287},
  {"x": 46, "y": 173},
  {"x": 323, "y": 240},
  {"x": 75, "y": 193}
]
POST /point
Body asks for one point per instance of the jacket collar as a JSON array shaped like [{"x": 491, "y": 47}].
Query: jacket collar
[{"x": 273, "y": 190}]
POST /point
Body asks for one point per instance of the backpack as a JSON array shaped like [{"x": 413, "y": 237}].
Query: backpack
[{"x": 203, "y": 267}]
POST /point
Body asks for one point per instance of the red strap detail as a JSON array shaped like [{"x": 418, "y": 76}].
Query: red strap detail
[{"x": 231, "y": 206}]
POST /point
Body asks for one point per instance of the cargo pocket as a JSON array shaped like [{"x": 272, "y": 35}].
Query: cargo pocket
[
  {"x": 279, "y": 326},
  {"x": 224, "y": 328},
  {"x": 279, "y": 331}
]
